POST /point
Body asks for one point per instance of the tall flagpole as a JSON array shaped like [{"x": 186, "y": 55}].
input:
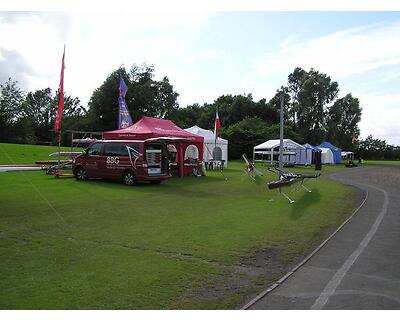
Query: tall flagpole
[
  {"x": 57, "y": 124},
  {"x": 281, "y": 96}
]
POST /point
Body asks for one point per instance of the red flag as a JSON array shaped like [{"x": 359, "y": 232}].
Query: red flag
[
  {"x": 57, "y": 125},
  {"x": 217, "y": 125}
]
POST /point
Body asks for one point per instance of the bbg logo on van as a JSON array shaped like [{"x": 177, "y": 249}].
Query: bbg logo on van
[{"x": 112, "y": 160}]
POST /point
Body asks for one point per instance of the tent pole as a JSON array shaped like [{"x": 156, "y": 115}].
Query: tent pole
[{"x": 181, "y": 160}]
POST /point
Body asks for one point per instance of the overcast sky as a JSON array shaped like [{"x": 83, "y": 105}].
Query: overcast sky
[{"x": 207, "y": 54}]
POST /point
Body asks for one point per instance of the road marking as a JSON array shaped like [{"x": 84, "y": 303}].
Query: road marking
[
  {"x": 308, "y": 295},
  {"x": 330, "y": 288}
]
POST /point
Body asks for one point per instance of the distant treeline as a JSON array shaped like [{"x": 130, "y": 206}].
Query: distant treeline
[{"x": 312, "y": 107}]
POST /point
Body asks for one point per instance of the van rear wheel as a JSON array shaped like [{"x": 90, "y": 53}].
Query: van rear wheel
[{"x": 129, "y": 178}]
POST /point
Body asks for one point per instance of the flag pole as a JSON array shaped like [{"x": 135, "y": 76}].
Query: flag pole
[
  {"x": 281, "y": 96},
  {"x": 57, "y": 124},
  {"x": 59, "y": 147}
]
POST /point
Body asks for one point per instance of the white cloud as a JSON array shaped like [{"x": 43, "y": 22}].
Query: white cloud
[
  {"x": 381, "y": 117},
  {"x": 96, "y": 44},
  {"x": 340, "y": 54}
]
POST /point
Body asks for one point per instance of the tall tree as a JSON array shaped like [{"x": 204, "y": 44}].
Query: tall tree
[
  {"x": 145, "y": 97},
  {"x": 38, "y": 111},
  {"x": 295, "y": 83},
  {"x": 249, "y": 132},
  {"x": 275, "y": 104},
  {"x": 313, "y": 92},
  {"x": 186, "y": 117},
  {"x": 342, "y": 121},
  {"x": 11, "y": 98}
]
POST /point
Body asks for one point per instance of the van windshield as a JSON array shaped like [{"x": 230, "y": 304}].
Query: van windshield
[{"x": 94, "y": 150}]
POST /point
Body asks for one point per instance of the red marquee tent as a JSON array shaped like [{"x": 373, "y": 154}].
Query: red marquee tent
[{"x": 148, "y": 127}]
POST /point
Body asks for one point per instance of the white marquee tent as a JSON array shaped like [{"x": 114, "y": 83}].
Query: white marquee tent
[
  {"x": 326, "y": 156},
  {"x": 211, "y": 150},
  {"x": 293, "y": 152}
]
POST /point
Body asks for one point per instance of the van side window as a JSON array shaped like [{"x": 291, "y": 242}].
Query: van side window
[
  {"x": 113, "y": 149},
  {"x": 118, "y": 149},
  {"x": 94, "y": 150}
]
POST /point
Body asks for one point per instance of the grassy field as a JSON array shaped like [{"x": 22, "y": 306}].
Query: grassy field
[
  {"x": 188, "y": 243},
  {"x": 381, "y": 162}
]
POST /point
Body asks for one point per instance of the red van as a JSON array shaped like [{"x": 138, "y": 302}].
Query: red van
[{"x": 127, "y": 160}]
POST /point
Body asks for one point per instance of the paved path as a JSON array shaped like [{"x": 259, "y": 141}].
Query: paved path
[{"x": 359, "y": 268}]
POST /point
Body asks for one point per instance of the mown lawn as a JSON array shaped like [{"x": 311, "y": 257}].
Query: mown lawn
[
  {"x": 101, "y": 245},
  {"x": 381, "y": 162}
]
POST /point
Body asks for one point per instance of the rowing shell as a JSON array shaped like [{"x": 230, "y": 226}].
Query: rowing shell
[
  {"x": 6, "y": 168},
  {"x": 280, "y": 183},
  {"x": 65, "y": 154}
]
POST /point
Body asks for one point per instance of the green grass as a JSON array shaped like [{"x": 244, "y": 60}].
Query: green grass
[
  {"x": 27, "y": 154},
  {"x": 101, "y": 245},
  {"x": 381, "y": 162}
]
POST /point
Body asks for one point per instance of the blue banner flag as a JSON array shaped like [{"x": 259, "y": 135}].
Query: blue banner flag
[{"x": 124, "y": 119}]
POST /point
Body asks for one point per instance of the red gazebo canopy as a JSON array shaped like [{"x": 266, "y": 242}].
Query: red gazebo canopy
[{"x": 148, "y": 127}]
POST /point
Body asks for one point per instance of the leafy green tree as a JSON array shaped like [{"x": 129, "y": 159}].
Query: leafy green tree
[
  {"x": 38, "y": 112},
  {"x": 275, "y": 105},
  {"x": 187, "y": 117},
  {"x": 11, "y": 98},
  {"x": 295, "y": 83},
  {"x": 103, "y": 104},
  {"x": 244, "y": 135},
  {"x": 145, "y": 97},
  {"x": 312, "y": 92},
  {"x": 231, "y": 110},
  {"x": 249, "y": 132},
  {"x": 342, "y": 121},
  {"x": 378, "y": 149}
]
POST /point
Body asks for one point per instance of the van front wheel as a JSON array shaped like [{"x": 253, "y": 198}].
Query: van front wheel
[
  {"x": 129, "y": 178},
  {"x": 80, "y": 174}
]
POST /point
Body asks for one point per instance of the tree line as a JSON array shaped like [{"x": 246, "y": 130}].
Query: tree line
[{"x": 313, "y": 112}]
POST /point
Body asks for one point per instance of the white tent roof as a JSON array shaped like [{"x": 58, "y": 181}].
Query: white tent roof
[
  {"x": 288, "y": 143},
  {"x": 207, "y": 134}
]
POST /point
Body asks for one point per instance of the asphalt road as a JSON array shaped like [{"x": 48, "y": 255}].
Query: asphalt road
[{"x": 359, "y": 268}]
